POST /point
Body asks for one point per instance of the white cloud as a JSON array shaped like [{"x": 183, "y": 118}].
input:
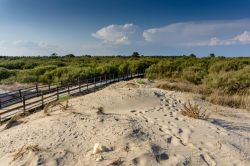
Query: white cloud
[
  {"x": 117, "y": 34},
  {"x": 26, "y": 44},
  {"x": 195, "y": 33},
  {"x": 25, "y": 47},
  {"x": 243, "y": 38}
]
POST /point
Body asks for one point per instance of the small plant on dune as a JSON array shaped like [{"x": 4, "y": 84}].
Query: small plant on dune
[
  {"x": 24, "y": 149},
  {"x": 13, "y": 121},
  {"x": 100, "y": 111},
  {"x": 54, "y": 104},
  {"x": 141, "y": 82},
  {"x": 193, "y": 111}
]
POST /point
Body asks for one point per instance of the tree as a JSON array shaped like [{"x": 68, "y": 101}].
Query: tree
[
  {"x": 212, "y": 55},
  {"x": 54, "y": 55},
  {"x": 135, "y": 55},
  {"x": 192, "y": 55},
  {"x": 70, "y": 55}
]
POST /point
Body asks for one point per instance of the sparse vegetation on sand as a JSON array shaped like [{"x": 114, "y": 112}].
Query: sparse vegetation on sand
[
  {"x": 24, "y": 149},
  {"x": 221, "y": 80},
  {"x": 194, "y": 111},
  {"x": 63, "y": 104}
]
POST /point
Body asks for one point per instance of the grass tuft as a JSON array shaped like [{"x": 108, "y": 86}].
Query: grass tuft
[
  {"x": 193, "y": 111},
  {"x": 140, "y": 81},
  {"x": 100, "y": 111},
  {"x": 24, "y": 149},
  {"x": 13, "y": 121},
  {"x": 59, "y": 103}
]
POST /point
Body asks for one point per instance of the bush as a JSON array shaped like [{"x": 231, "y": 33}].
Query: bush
[
  {"x": 5, "y": 73},
  {"x": 194, "y": 74},
  {"x": 193, "y": 111},
  {"x": 230, "y": 82}
]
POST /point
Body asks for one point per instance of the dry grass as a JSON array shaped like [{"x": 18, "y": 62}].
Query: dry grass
[
  {"x": 236, "y": 101},
  {"x": 193, "y": 111},
  {"x": 24, "y": 149},
  {"x": 129, "y": 85},
  {"x": 183, "y": 87},
  {"x": 13, "y": 121},
  {"x": 100, "y": 111},
  {"x": 239, "y": 100},
  {"x": 48, "y": 107}
]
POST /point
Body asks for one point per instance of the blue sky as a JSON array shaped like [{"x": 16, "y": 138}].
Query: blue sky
[{"x": 108, "y": 27}]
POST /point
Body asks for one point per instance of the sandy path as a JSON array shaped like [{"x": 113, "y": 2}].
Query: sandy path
[{"x": 140, "y": 125}]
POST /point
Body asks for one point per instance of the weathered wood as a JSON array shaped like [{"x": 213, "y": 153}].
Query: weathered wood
[
  {"x": 24, "y": 105},
  {"x": 57, "y": 93},
  {"x": 36, "y": 88},
  {"x": 106, "y": 81},
  {"x": 42, "y": 101},
  {"x": 87, "y": 84},
  {"x": 79, "y": 84},
  {"x": 20, "y": 92}
]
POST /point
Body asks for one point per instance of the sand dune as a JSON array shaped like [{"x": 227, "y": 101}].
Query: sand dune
[{"x": 129, "y": 124}]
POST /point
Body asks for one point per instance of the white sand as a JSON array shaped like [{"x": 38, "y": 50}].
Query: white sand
[
  {"x": 141, "y": 125},
  {"x": 2, "y": 91}
]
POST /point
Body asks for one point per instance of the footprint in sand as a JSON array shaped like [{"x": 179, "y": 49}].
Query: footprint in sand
[{"x": 173, "y": 141}]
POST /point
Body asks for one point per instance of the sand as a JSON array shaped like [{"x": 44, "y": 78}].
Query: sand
[
  {"x": 128, "y": 124},
  {"x": 2, "y": 91}
]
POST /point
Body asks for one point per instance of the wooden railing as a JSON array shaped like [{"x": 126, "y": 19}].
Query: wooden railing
[{"x": 36, "y": 97}]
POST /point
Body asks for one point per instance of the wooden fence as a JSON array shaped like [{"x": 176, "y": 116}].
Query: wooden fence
[{"x": 37, "y": 97}]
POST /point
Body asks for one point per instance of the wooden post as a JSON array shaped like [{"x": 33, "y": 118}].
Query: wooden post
[
  {"x": 87, "y": 84},
  {"x": 36, "y": 88},
  {"x": 79, "y": 84},
  {"x": 24, "y": 104},
  {"x": 20, "y": 92},
  {"x": 61, "y": 83},
  {"x": 42, "y": 100},
  {"x": 68, "y": 88},
  {"x": 49, "y": 87},
  {"x": 57, "y": 93},
  {"x": 0, "y": 104},
  {"x": 113, "y": 77},
  {"x": 105, "y": 80}
]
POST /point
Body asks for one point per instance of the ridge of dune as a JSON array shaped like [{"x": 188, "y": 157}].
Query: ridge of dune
[{"x": 134, "y": 124}]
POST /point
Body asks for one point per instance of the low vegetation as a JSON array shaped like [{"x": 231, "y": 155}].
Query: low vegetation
[
  {"x": 220, "y": 80},
  {"x": 63, "y": 104},
  {"x": 14, "y": 121},
  {"x": 194, "y": 111},
  {"x": 24, "y": 149}
]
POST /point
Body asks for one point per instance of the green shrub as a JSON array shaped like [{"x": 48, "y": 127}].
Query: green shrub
[
  {"x": 194, "y": 74},
  {"x": 5, "y": 73}
]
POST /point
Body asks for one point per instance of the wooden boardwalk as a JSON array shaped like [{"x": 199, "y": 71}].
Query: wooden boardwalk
[{"x": 35, "y": 98}]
